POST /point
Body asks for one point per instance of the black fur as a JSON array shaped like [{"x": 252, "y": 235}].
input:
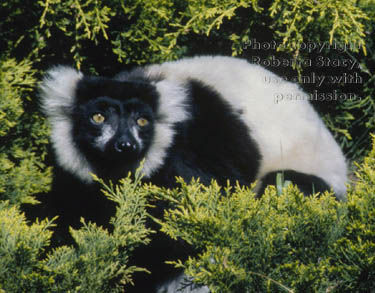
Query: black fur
[
  {"x": 213, "y": 144},
  {"x": 122, "y": 103},
  {"x": 307, "y": 183}
]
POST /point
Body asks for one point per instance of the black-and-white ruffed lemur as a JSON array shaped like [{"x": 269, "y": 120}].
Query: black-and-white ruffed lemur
[{"x": 208, "y": 117}]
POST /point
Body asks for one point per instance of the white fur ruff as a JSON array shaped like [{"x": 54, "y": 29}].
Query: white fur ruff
[{"x": 57, "y": 96}]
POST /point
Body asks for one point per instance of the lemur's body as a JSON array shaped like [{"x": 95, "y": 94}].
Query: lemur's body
[{"x": 207, "y": 117}]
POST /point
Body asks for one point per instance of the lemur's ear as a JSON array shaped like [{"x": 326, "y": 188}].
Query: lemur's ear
[{"x": 57, "y": 89}]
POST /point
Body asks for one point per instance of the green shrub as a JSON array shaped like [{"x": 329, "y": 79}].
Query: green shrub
[
  {"x": 22, "y": 136},
  {"x": 97, "y": 262},
  {"x": 284, "y": 242},
  {"x": 277, "y": 243},
  {"x": 21, "y": 247}
]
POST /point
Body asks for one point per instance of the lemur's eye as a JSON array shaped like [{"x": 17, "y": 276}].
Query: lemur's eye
[
  {"x": 98, "y": 118},
  {"x": 142, "y": 122}
]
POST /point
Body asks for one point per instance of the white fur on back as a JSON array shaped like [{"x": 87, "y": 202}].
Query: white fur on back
[
  {"x": 58, "y": 93},
  {"x": 290, "y": 134}
]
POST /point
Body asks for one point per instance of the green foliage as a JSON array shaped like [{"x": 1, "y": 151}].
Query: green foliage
[
  {"x": 278, "y": 243},
  {"x": 21, "y": 247},
  {"x": 336, "y": 18},
  {"x": 22, "y": 136},
  {"x": 77, "y": 20},
  {"x": 354, "y": 252},
  {"x": 98, "y": 261},
  {"x": 281, "y": 242}
]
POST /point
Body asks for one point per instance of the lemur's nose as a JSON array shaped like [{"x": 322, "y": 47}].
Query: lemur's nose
[{"x": 125, "y": 146}]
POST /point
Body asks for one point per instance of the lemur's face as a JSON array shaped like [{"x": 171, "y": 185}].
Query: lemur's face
[{"x": 114, "y": 122}]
